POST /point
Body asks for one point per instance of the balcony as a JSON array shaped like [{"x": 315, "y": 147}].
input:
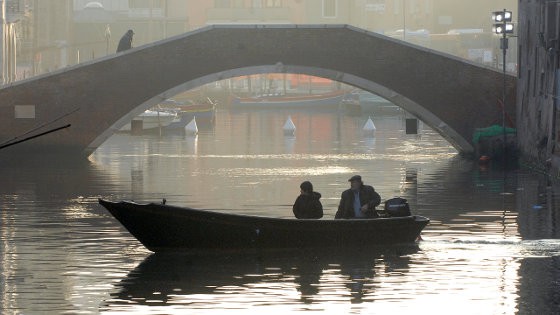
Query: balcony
[{"x": 240, "y": 15}]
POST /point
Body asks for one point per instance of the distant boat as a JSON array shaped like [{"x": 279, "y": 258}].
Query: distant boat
[
  {"x": 204, "y": 111},
  {"x": 359, "y": 102},
  {"x": 152, "y": 119},
  {"x": 372, "y": 103},
  {"x": 330, "y": 100}
]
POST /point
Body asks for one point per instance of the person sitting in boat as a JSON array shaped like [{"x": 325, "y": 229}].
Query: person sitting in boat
[
  {"x": 359, "y": 201},
  {"x": 308, "y": 205}
]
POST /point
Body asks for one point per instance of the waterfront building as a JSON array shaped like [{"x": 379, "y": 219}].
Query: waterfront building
[{"x": 538, "y": 89}]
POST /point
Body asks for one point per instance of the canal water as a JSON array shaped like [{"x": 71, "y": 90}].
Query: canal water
[{"x": 492, "y": 247}]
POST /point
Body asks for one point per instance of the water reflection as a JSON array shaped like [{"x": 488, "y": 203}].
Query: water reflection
[
  {"x": 540, "y": 290},
  {"x": 537, "y": 201},
  {"x": 50, "y": 258},
  {"x": 191, "y": 142},
  {"x": 491, "y": 247},
  {"x": 289, "y": 143},
  {"x": 187, "y": 279}
]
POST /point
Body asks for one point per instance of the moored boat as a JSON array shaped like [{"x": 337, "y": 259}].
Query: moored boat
[
  {"x": 204, "y": 112},
  {"x": 323, "y": 101},
  {"x": 363, "y": 102},
  {"x": 372, "y": 103},
  {"x": 152, "y": 119},
  {"x": 161, "y": 227}
]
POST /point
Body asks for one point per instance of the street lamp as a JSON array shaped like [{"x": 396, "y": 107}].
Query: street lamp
[
  {"x": 404, "y": 20},
  {"x": 107, "y": 37},
  {"x": 503, "y": 26}
]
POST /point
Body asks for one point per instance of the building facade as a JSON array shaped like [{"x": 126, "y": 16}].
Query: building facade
[
  {"x": 11, "y": 13},
  {"x": 538, "y": 93},
  {"x": 54, "y": 34}
]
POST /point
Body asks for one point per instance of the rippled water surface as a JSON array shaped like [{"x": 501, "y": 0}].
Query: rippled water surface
[{"x": 492, "y": 247}]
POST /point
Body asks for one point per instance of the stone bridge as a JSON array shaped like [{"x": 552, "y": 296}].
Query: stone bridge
[{"x": 97, "y": 98}]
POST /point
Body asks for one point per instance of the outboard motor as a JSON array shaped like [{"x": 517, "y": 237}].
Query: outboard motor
[{"x": 397, "y": 207}]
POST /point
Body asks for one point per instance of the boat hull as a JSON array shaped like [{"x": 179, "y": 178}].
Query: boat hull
[
  {"x": 324, "y": 101},
  {"x": 169, "y": 228},
  {"x": 204, "y": 114},
  {"x": 152, "y": 120},
  {"x": 203, "y": 119},
  {"x": 363, "y": 102}
]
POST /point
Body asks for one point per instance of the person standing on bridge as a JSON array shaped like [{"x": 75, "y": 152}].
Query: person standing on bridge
[
  {"x": 308, "y": 205},
  {"x": 359, "y": 201},
  {"x": 126, "y": 41}
]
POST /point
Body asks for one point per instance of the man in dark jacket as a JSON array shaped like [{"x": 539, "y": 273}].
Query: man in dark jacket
[
  {"x": 308, "y": 205},
  {"x": 126, "y": 41},
  {"x": 359, "y": 201}
]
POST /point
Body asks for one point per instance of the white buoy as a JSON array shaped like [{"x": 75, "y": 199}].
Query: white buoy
[
  {"x": 191, "y": 128},
  {"x": 289, "y": 144},
  {"x": 369, "y": 127},
  {"x": 289, "y": 127}
]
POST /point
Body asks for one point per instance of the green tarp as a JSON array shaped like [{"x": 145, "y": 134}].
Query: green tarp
[{"x": 491, "y": 131}]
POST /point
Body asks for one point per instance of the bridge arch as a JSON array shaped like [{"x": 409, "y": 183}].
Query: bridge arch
[
  {"x": 452, "y": 96},
  {"x": 455, "y": 139}
]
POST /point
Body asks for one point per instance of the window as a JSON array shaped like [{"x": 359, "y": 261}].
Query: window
[
  {"x": 144, "y": 4},
  {"x": 551, "y": 21},
  {"x": 24, "y": 111},
  {"x": 329, "y": 8},
  {"x": 222, "y": 4},
  {"x": 238, "y": 3},
  {"x": 413, "y": 7},
  {"x": 137, "y": 4},
  {"x": 428, "y": 9},
  {"x": 528, "y": 86},
  {"x": 542, "y": 84},
  {"x": 534, "y": 78},
  {"x": 520, "y": 59},
  {"x": 375, "y": 6},
  {"x": 397, "y": 5},
  {"x": 272, "y": 3},
  {"x": 13, "y": 7}
]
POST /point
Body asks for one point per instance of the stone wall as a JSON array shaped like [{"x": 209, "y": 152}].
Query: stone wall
[{"x": 538, "y": 89}]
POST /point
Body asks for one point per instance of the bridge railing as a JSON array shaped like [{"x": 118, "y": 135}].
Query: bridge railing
[{"x": 473, "y": 45}]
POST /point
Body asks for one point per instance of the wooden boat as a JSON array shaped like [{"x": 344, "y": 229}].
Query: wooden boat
[
  {"x": 204, "y": 111},
  {"x": 161, "y": 227},
  {"x": 152, "y": 119},
  {"x": 325, "y": 100},
  {"x": 360, "y": 101}
]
